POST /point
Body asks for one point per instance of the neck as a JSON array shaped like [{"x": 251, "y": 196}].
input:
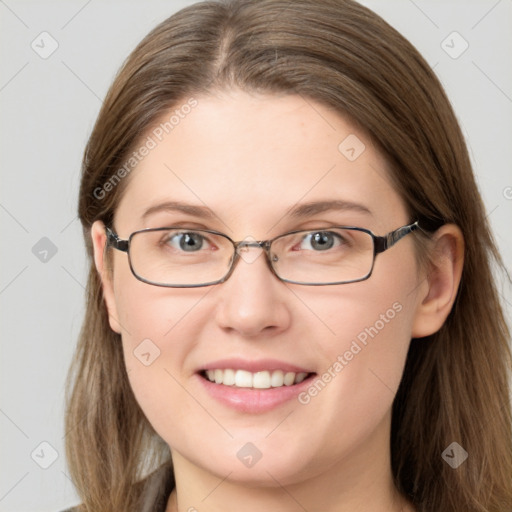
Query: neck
[{"x": 361, "y": 481}]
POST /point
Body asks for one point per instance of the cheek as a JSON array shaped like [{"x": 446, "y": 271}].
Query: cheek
[
  {"x": 152, "y": 313},
  {"x": 157, "y": 336},
  {"x": 366, "y": 334},
  {"x": 365, "y": 343},
  {"x": 371, "y": 355},
  {"x": 380, "y": 327}
]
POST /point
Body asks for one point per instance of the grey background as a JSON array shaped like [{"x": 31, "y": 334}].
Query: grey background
[{"x": 48, "y": 107}]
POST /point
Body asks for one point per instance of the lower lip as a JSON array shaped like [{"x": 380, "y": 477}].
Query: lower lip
[{"x": 250, "y": 400}]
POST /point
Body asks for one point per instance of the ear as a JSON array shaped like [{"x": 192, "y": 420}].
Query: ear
[
  {"x": 99, "y": 241},
  {"x": 441, "y": 281}
]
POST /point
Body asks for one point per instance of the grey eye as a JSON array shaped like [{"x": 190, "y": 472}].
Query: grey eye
[
  {"x": 320, "y": 240},
  {"x": 188, "y": 242}
]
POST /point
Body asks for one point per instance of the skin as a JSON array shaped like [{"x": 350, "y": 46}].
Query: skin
[{"x": 250, "y": 158}]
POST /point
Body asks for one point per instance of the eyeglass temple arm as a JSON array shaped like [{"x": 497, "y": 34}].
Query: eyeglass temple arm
[
  {"x": 114, "y": 241},
  {"x": 382, "y": 243}
]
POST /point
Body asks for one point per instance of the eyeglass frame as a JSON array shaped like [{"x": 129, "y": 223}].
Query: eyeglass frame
[{"x": 380, "y": 244}]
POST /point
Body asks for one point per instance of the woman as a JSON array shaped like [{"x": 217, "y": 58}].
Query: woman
[{"x": 290, "y": 300}]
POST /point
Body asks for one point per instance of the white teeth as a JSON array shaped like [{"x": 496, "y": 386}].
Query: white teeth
[
  {"x": 243, "y": 379},
  {"x": 300, "y": 377},
  {"x": 277, "y": 379},
  {"x": 261, "y": 380},
  {"x": 258, "y": 380},
  {"x": 289, "y": 378},
  {"x": 229, "y": 378}
]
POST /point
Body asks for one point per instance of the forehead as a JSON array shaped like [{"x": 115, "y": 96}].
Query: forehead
[{"x": 253, "y": 157}]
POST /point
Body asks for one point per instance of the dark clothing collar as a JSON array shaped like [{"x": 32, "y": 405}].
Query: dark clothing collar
[{"x": 157, "y": 488}]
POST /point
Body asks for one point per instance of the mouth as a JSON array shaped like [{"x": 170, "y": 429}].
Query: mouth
[
  {"x": 264, "y": 379},
  {"x": 253, "y": 385}
]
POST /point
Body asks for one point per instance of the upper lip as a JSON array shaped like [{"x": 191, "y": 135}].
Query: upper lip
[{"x": 253, "y": 366}]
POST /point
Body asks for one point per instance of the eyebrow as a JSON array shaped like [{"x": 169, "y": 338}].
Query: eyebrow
[
  {"x": 315, "y": 207},
  {"x": 298, "y": 211},
  {"x": 202, "y": 212}
]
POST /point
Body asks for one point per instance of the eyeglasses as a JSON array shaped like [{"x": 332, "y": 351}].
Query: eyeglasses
[{"x": 188, "y": 258}]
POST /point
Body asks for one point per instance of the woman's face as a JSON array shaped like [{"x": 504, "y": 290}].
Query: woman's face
[{"x": 247, "y": 162}]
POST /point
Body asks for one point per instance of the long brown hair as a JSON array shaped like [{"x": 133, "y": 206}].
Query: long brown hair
[{"x": 339, "y": 53}]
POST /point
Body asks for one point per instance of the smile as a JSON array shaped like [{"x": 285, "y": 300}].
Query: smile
[{"x": 257, "y": 380}]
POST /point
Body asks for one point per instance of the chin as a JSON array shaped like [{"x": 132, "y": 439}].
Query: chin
[{"x": 258, "y": 464}]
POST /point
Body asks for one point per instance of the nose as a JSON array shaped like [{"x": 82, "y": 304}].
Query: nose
[{"x": 253, "y": 301}]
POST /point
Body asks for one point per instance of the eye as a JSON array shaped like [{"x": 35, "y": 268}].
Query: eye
[
  {"x": 321, "y": 241},
  {"x": 189, "y": 241}
]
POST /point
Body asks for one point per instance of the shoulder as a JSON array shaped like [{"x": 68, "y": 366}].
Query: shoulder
[
  {"x": 156, "y": 488},
  {"x": 153, "y": 490}
]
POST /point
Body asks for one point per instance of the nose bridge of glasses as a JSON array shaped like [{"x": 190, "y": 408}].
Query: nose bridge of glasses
[
  {"x": 250, "y": 242},
  {"x": 242, "y": 249}
]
